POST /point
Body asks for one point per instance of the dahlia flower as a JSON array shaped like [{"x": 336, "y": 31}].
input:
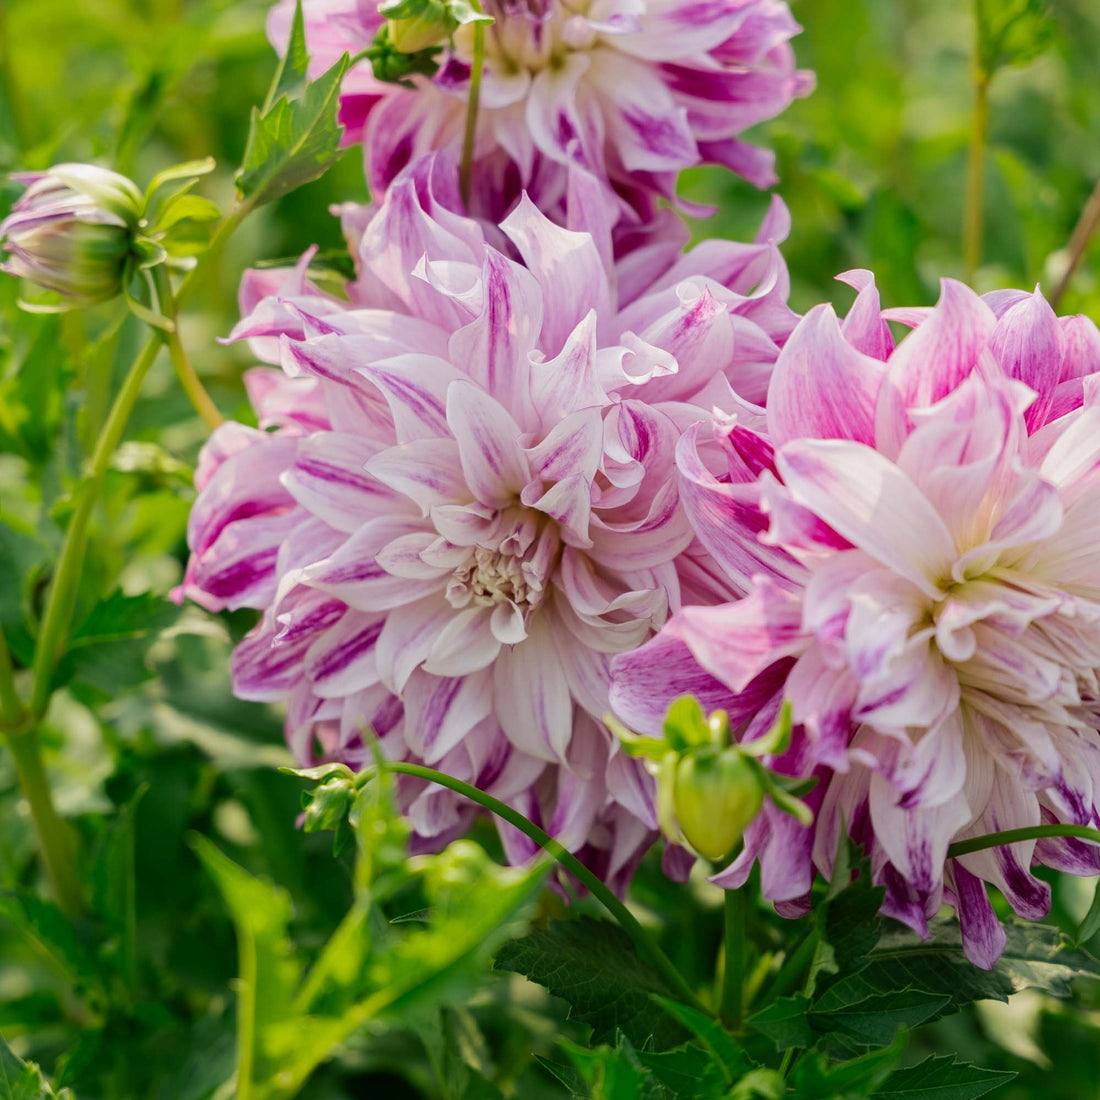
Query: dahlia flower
[
  {"x": 461, "y": 499},
  {"x": 629, "y": 92},
  {"x": 916, "y": 532},
  {"x": 72, "y": 231}
]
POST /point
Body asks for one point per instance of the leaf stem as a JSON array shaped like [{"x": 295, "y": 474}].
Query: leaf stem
[
  {"x": 1083, "y": 232},
  {"x": 54, "y": 837},
  {"x": 735, "y": 925},
  {"x": 469, "y": 137},
  {"x": 1014, "y": 836},
  {"x": 188, "y": 379},
  {"x": 627, "y": 921}
]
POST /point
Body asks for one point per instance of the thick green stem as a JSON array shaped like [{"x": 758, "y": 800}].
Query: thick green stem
[
  {"x": 627, "y": 921},
  {"x": 1014, "y": 836},
  {"x": 733, "y": 979},
  {"x": 53, "y": 834},
  {"x": 188, "y": 379},
  {"x": 469, "y": 138},
  {"x": 973, "y": 212}
]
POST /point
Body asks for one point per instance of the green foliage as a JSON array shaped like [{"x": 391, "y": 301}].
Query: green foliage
[
  {"x": 940, "y": 1078},
  {"x": 294, "y": 138},
  {"x": 592, "y": 965}
]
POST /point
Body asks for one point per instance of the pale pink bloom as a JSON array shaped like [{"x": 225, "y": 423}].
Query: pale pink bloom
[
  {"x": 462, "y": 498},
  {"x": 917, "y": 530},
  {"x": 631, "y": 91}
]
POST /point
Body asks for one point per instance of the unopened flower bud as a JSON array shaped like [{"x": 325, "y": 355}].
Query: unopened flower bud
[
  {"x": 715, "y": 797},
  {"x": 416, "y": 25},
  {"x": 72, "y": 231}
]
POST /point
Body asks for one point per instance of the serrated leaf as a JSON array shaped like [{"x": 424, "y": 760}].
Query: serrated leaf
[
  {"x": 290, "y": 77},
  {"x": 592, "y": 965},
  {"x": 292, "y": 141},
  {"x": 786, "y": 1022},
  {"x": 941, "y": 1078},
  {"x": 875, "y": 1021},
  {"x": 107, "y": 650},
  {"x": 814, "y": 1078},
  {"x": 614, "y": 1073},
  {"x": 1036, "y": 956}
]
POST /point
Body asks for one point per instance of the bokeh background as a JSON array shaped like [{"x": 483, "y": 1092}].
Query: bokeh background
[{"x": 873, "y": 167}]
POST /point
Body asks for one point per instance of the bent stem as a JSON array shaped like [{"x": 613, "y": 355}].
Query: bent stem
[
  {"x": 1083, "y": 232},
  {"x": 469, "y": 137},
  {"x": 1014, "y": 836},
  {"x": 627, "y": 921},
  {"x": 731, "y": 1004},
  {"x": 188, "y": 379}
]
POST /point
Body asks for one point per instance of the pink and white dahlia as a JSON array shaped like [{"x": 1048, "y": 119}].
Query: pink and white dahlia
[
  {"x": 916, "y": 529},
  {"x": 631, "y": 91},
  {"x": 461, "y": 500}
]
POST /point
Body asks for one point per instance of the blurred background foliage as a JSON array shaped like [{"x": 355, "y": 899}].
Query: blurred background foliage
[{"x": 145, "y": 743}]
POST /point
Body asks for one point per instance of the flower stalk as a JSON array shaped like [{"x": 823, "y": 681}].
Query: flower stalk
[
  {"x": 975, "y": 174},
  {"x": 645, "y": 944},
  {"x": 1014, "y": 836},
  {"x": 735, "y": 924}
]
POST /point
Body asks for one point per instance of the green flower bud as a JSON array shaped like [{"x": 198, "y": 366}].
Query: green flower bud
[
  {"x": 715, "y": 797},
  {"x": 417, "y": 25}
]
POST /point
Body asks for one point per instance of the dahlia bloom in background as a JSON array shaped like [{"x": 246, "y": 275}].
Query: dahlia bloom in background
[
  {"x": 916, "y": 529},
  {"x": 631, "y": 92},
  {"x": 461, "y": 500}
]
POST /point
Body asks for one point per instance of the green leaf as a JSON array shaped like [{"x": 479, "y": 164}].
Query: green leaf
[
  {"x": 815, "y": 1078},
  {"x": 108, "y": 649},
  {"x": 592, "y": 965},
  {"x": 1036, "y": 956},
  {"x": 21, "y": 1080},
  {"x": 724, "y": 1052},
  {"x": 875, "y": 1021},
  {"x": 52, "y": 933},
  {"x": 115, "y": 889},
  {"x": 295, "y": 136},
  {"x": 1012, "y": 32},
  {"x": 614, "y": 1073},
  {"x": 1091, "y": 924},
  {"x": 786, "y": 1022},
  {"x": 269, "y": 969},
  {"x": 941, "y": 1078}
]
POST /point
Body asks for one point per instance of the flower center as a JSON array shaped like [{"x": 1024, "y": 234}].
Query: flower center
[
  {"x": 529, "y": 35},
  {"x": 490, "y": 577}
]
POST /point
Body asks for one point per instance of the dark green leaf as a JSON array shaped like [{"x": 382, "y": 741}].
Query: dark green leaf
[
  {"x": 786, "y": 1022},
  {"x": 723, "y": 1050},
  {"x": 593, "y": 966},
  {"x": 941, "y": 1078}
]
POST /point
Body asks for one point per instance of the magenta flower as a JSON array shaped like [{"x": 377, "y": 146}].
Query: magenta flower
[
  {"x": 629, "y": 92},
  {"x": 469, "y": 500},
  {"x": 916, "y": 531}
]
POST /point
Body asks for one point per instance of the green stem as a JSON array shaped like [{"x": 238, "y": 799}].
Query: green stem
[
  {"x": 53, "y": 834},
  {"x": 469, "y": 138},
  {"x": 188, "y": 379},
  {"x": 973, "y": 211},
  {"x": 1014, "y": 836},
  {"x": 733, "y": 979},
  {"x": 8, "y": 83},
  {"x": 62, "y": 595},
  {"x": 627, "y": 921},
  {"x": 11, "y": 706}
]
